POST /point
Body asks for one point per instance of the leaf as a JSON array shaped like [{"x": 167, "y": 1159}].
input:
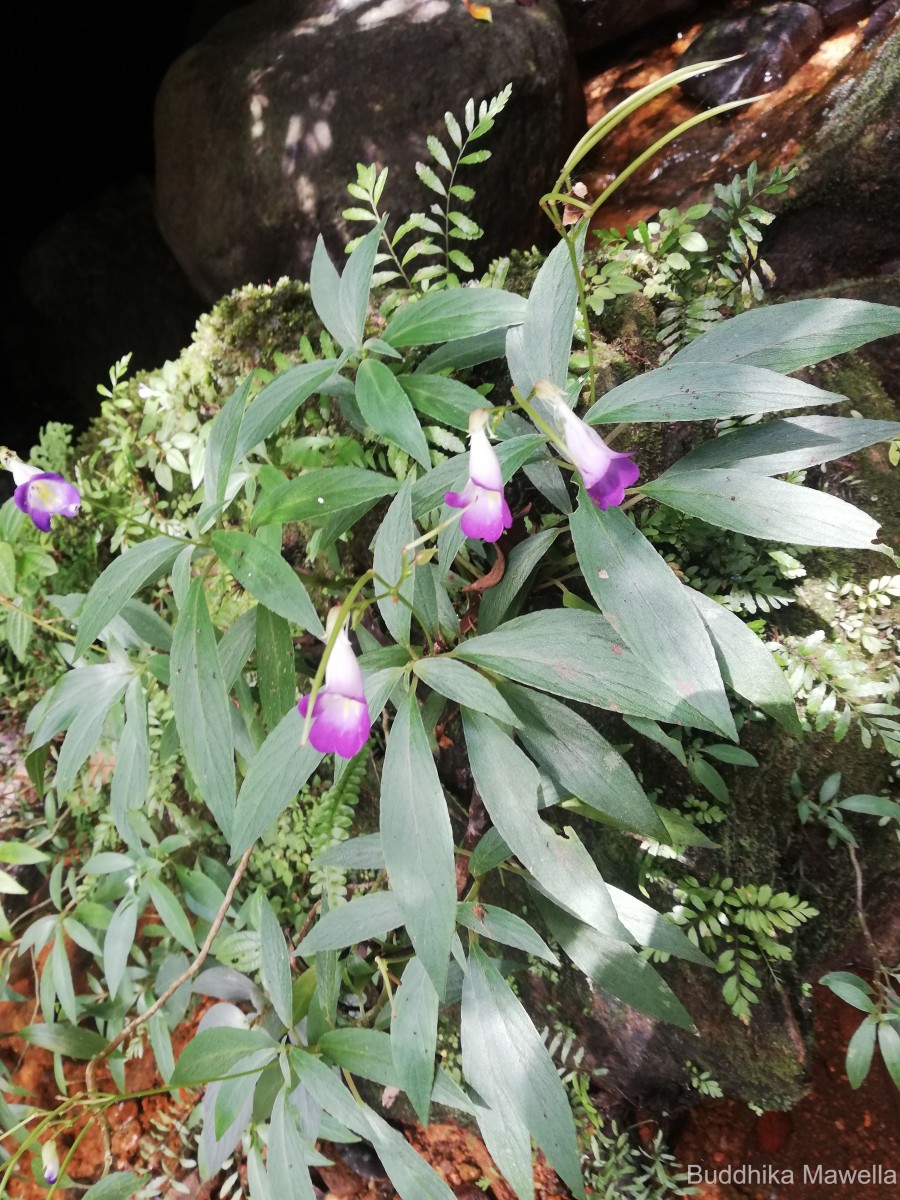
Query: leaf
[
  {"x": 213, "y": 1053},
  {"x": 359, "y": 853},
  {"x": 411, "y": 1175},
  {"x": 356, "y": 283},
  {"x": 21, "y": 854},
  {"x": 62, "y": 979},
  {"x": 286, "y": 1161},
  {"x": 501, "y": 926},
  {"x": 506, "y": 1062},
  {"x": 279, "y": 400},
  {"x": 277, "y": 679},
  {"x": 450, "y": 315},
  {"x": 171, "y": 914},
  {"x": 442, "y": 399},
  {"x": 121, "y": 1185},
  {"x": 859, "y": 1053},
  {"x": 365, "y": 916},
  {"x": 576, "y": 654},
  {"x": 614, "y": 966},
  {"x": 889, "y": 1044},
  {"x": 396, "y": 531},
  {"x": 541, "y": 346},
  {"x": 650, "y": 928},
  {"x": 118, "y": 942},
  {"x": 498, "y": 601},
  {"x": 699, "y": 391},
  {"x": 387, "y": 410},
  {"x": 321, "y": 494},
  {"x": 777, "y": 447},
  {"x": 581, "y": 762},
  {"x": 7, "y": 570},
  {"x": 84, "y": 733},
  {"x": 414, "y": 1036},
  {"x": 430, "y": 179},
  {"x": 275, "y": 963},
  {"x": 464, "y": 685},
  {"x": 267, "y": 577},
  {"x": 785, "y": 337},
  {"x": 466, "y": 352},
  {"x": 220, "y": 449},
  {"x": 365, "y": 1052},
  {"x": 851, "y": 989},
  {"x": 508, "y": 782},
  {"x": 417, "y": 841},
  {"x": 325, "y": 292},
  {"x": 202, "y": 709},
  {"x": 766, "y": 508},
  {"x": 134, "y": 569},
  {"x": 60, "y": 1038},
  {"x": 275, "y": 776},
  {"x": 747, "y": 666},
  {"x": 647, "y": 605}
]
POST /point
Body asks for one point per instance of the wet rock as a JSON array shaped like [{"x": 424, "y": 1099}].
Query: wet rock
[
  {"x": 593, "y": 23},
  {"x": 839, "y": 221},
  {"x": 838, "y": 13},
  {"x": 774, "y": 40},
  {"x": 260, "y": 125}
]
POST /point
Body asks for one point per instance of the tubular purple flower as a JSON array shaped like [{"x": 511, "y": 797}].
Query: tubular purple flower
[
  {"x": 41, "y": 494},
  {"x": 340, "y": 715},
  {"x": 485, "y": 511},
  {"x": 606, "y": 473}
]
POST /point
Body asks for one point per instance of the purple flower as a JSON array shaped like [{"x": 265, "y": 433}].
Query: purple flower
[
  {"x": 485, "y": 511},
  {"x": 606, "y": 473},
  {"x": 340, "y": 714},
  {"x": 42, "y": 494}
]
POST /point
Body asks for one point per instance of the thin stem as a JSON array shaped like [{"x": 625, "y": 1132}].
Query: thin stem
[
  {"x": 48, "y": 625},
  {"x": 861, "y": 914},
  {"x": 538, "y": 420}
]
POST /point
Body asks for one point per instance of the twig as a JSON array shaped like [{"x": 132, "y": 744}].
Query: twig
[
  {"x": 861, "y": 915},
  {"x": 135, "y": 1024}
]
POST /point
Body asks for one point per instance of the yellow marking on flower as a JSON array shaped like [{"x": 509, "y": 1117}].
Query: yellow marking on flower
[{"x": 480, "y": 12}]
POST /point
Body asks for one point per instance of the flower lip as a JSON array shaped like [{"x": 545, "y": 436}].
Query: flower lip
[
  {"x": 44, "y": 494},
  {"x": 606, "y": 473},
  {"x": 485, "y": 511}
]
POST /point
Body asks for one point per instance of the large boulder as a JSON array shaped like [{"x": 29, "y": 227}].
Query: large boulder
[
  {"x": 593, "y": 23},
  {"x": 260, "y": 125}
]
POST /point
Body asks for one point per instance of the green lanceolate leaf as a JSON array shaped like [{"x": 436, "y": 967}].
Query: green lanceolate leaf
[
  {"x": 396, "y": 531},
  {"x": 61, "y": 1038},
  {"x": 581, "y": 762},
  {"x": 442, "y": 399},
  {"x": 506, "y": 1062},
  {"x": 747, "y": 666},
  {"x": 766, "y": 508},
  {"x": 276, "y": 774},
  {"x": 386, "y": 408},
  {"x": 466, "y": 686},
  {"x": 325, "y": 292},
  {"x": 202, "y": 709},
  {"x": 414, "y": 1036},
  {"x": 577, "y": 655},
  {"x": 501, "y": 926},
  {"x": 220, "y": 449},
  {"x": 508, "y": 782},
  {"x": 267, "y": 577},
  {"x": 356, "y": 282},
  {"x": 213, "y": 1054},
  {"x": 540, "y": 347},
  {"x": 279, "y": 400},
  {"x": 701, "y": 391},
  {"x": 614, "y": 966},
  {"x": 794, "y": 444},
  {"x": 171, "y": 913},
  {"x": 417, "y": 841},
  {"x": 365, "y": 1052},
  {"x": 275, "y": 666},
  {"x": 83, "y": 734},
  {"x": 785, "y": 337},
  {"x": 119, "y": 941},
  {"x": 322, "y": 494},
  {"x": 645, "y": 603},
  {"x": 859, "y": 1053},
  {"x": 121, "y": 1185},
  {"x": 650, "y": 928},
  {"x": 497, "y": 601},
  {"x": 286, "y": 1161},
  {"x": 275, "y": 963},
  {"x": 134, "y": 569},
  {"x": 365, "y": 916},
  {"x": 454, "y": 314},
  {"x": 889, "y": 1045}
]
